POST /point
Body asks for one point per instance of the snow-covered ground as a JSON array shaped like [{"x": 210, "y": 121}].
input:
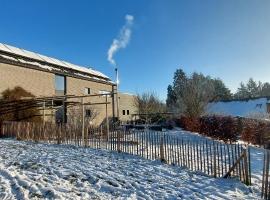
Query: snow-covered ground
[
  {"x": 256, "y": 155},
  {"x": 33, "y": 171}
]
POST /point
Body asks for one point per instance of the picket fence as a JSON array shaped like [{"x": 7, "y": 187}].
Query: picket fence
[{"x": 206, "y": 156}]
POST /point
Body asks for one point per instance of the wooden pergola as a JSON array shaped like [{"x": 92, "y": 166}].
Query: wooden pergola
[{"x": 47, "y": 103}]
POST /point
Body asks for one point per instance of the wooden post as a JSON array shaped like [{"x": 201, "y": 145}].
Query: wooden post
[
  {"x": 263, "y": 176},
  {"x": 162, "y": 158},
  {"x": 215, "y": 160},
  {"x": 58, "y": 134},
  {"x": 249, "y": 164},
  {"x": 266, "y": 186},
  {"x": 107, "y": 119},
  {"x": 118, "y": 141},
  {"x": 44, "y": 105},
  {"x": 52, "y": 112},
  {"x": 207, "y": 158},
  {"x": 117, "y": 95},
  {"x": 203, "y": 148},
  {"x": 83, "y": 115},
  {"x": 246, "y": 168}
]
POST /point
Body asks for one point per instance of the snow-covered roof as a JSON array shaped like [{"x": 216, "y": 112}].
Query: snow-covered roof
[
  {"x": 253, "y": 108},
  {"x": 40, "y": 60},
  {"x": 126, "y": 93}
]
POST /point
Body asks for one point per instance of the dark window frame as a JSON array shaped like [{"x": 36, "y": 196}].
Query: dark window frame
[
  {"x": 65, "y": 83},
  {"x": 88, "y": 113},
  {"x": 88, "y": 90}
]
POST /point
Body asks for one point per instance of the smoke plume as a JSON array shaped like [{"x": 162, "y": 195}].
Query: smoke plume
[{"x": 122, "y": 40}]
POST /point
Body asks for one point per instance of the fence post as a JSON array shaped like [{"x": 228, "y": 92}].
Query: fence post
[
  {"x": 17, "y": 127},
  {"x": 249, "y": 165},
  {"x": 107, "y": 119},
  {"x": 162, "y": 157},
  {"x": 1, "y": 129},
  {"x": 58, "y": 130},
  {"x": 2, "y": 132},
  {"x": 118, "y": 141},
  {"x": 246, "y": 168},
  {"x": 215, "y": 160},
  {"x": 266, "y": 187},
  {"x": 264, "y": 164},
  {"x": 52, "y": 112},
  {"x": 86, "y": 138},
  {"x": 83, "y": 115},
  {"x": 43, "y": 107}
]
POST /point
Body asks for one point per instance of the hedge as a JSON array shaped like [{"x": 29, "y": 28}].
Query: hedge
[{"x": 228, "y": 129}]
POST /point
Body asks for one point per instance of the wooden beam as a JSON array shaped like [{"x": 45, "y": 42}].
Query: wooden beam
[
  {"x": 41, "y": 99},
  {"x": 234, "y": 165}
]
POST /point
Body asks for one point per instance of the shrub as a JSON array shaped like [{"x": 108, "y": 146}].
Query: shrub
[
  {"x": 219, "y": 127},
  {"x": 228, "y": 129},
  {"x": 190, "y": 124},
  {"x": 255, "y": 131},
  {"x": 16, "y": 111}
]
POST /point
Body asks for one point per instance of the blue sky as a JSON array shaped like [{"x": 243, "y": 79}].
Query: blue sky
[{"x": 229, "y": 39}]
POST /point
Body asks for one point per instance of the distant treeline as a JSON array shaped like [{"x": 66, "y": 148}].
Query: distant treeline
[
  {"x": 189, "y": 94},
  {"x": 252, "y": 89}
]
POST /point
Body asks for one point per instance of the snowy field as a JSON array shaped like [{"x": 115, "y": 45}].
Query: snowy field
[{"x": 42, "y": 171}]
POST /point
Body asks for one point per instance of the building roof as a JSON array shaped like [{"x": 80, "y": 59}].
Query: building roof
[
  {"x": 27, "y": 57},
  {"x": 252, "y": 108}
]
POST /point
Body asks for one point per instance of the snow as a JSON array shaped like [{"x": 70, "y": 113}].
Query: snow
[
  {"x": 38, "y": 57},
  {"x": 4, "y": 48},
  {"x": 31, "y": 170},
  {"x": 50, "y": 68},
  {"x": 36, "y": 64},
  {"x": 8, "y": 57},
  {"x": 256, "y": 155},
  {"x": 250, "y": 108}
]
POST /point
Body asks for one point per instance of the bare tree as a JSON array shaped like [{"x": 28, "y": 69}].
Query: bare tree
[
  {"x": 148, "y": 105},
  {"x": 190, "y": 94},
  {"x": 197, "y": 93}
]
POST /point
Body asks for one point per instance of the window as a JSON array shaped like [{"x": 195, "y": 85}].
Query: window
[
  {"x": 88, "y": 113},
  {"x": 127, "y": 112},
  {"x": 87, "y": 90},
  {"x": 60, "y": 111},
  {"x": 60, "y": 85},
  {"x": 124, "y": 112}
]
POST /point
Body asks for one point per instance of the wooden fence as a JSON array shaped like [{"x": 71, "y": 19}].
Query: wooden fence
[
  {"x": 265, "y": 180},
  {"x": 208, "y": 156}
]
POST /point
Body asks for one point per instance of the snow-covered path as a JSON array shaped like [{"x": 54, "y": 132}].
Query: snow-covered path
[{"x": 39, "y": 171}]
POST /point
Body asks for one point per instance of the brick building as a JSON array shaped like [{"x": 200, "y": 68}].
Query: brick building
[{"x": 44, "y": 76}]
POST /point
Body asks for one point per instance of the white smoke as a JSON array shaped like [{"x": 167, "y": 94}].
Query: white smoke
[{"x": 122, "y": 40}]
